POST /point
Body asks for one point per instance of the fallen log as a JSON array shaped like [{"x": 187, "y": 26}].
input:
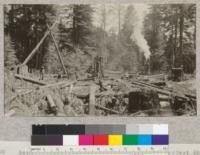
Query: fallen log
[
  {"x": 161, "y": 91},
  {"x": 156, "y": 76},
  {"x": 87, "y": 79},
  {"x": 112, "y": 72},
  {"x": 110, "y": 110},
  {"x": 148, "y": 84},
  {"x": 18, "y": 76},
  {"x": 155, "y": 88},
  {"x": 62, "y": 84},
  {"x": 159, "y": 83},
  {"x": 165, "y": 89},
  {"x": 191, "y": 96}
]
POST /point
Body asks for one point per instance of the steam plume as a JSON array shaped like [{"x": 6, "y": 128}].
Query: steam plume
[{"x": 141, "y": 11}]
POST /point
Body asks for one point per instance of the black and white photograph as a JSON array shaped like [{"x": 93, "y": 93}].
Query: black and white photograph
[{"x": 113, "y": 60}]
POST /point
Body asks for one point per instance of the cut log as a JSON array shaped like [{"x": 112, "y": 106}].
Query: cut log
[
  {"x": 92, "y": 100},
  {"x": 164, "y": 97},
  {"x": 18, "y": 76},
  {"x": 51, "y": 103}
]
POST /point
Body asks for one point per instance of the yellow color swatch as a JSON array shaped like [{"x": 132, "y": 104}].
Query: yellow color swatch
[{"x": 115, "y": 139}]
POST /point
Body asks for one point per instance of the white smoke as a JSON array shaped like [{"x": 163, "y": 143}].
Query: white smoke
[{"x": 141, "y": 11}]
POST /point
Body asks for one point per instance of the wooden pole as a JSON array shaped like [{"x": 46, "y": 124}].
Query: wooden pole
[
  {"x": 92, "y": 100},
  {"x": 58, "y": 51},
  {"x": 38, "y": 45}
]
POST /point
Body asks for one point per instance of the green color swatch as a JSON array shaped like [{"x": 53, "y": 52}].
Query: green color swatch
[{"x": 130, "y": 139}]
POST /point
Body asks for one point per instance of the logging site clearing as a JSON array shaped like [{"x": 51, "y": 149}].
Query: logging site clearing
[
  {"x": 114, "y": 95},
  {"x": 53, "y": 68}
]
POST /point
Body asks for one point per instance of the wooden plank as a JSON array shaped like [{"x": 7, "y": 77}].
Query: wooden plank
[
  {"x": 18, "y": 76},
  {"x": 38, "y": 45},
  {"x": 92, "y": 100},
  {"x": 58, "y": 51}
]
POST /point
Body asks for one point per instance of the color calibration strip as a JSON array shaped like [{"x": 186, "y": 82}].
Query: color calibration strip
[{"x": 112, "y": 135}]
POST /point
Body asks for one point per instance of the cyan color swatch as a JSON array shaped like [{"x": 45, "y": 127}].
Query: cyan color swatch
[{"x": 144, "y": 139}]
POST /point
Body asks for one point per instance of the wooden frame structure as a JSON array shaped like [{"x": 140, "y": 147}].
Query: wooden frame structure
[{"x": 48, "y": 32}]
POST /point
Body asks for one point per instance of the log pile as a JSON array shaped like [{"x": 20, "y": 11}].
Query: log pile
[{"x": 100, "y": 98}]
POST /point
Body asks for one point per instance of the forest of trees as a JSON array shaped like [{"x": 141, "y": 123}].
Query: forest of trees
[{"x": 168, "y": 29}]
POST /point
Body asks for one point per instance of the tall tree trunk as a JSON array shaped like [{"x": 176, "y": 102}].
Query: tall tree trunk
[
  {"x": 12, "y": 15},
  {"x": 104, "y": 31},
  {"x": 181, "y": 34},
  {"x": 174, "y": 45},
  {"x": 175, "y": 40},
  {"x": 74, "y": 28}
]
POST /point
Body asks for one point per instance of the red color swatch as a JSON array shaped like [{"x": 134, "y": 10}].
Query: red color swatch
[{"x": 100, "y": 139}]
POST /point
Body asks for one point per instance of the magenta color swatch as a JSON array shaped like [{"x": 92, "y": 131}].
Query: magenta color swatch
[{"x": 85, "y": 140}]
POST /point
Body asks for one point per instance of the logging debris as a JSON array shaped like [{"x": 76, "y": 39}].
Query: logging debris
[{"x": 109, "y": 96}]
